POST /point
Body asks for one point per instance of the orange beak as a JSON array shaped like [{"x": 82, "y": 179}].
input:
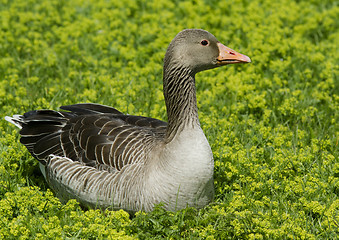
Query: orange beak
[{"x": 229, "y": 56}]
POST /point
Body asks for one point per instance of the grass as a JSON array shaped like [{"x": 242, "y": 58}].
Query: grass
[{"x": 272, "y": 124}]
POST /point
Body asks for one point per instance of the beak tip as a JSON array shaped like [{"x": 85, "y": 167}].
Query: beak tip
[{"x": 248, "y": 60}]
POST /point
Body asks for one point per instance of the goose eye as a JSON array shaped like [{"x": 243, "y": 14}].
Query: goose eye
[{"x": 204, "y": 42}]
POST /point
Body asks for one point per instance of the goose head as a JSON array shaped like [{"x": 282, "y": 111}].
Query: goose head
[
  {"x": 199, "y": 50},
  {"x": 191, "y": 51}
]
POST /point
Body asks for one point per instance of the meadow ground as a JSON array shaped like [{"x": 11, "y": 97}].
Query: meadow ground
[{"x": 272, "y": 124}]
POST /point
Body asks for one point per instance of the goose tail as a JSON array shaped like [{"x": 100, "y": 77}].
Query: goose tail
[
  {"x": 15, "y": 120},
  {"x": 40, "y": 128}
]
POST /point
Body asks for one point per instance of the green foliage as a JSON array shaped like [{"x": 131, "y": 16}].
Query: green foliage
[
  {"x": 29, "y": 213},
  {"x": 272, "y": 124}
]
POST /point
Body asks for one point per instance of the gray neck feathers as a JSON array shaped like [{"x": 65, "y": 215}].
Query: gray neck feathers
[{"x": 180, "y": 98}]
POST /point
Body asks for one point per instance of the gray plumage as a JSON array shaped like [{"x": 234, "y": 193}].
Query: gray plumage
[{"x": 104, "y": 158}]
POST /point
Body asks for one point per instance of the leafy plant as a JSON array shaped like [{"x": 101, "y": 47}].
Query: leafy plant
[{"x": 272, "y": 124}]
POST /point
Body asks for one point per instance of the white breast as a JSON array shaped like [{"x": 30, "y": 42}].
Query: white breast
[{"x": 184, "y": 171}]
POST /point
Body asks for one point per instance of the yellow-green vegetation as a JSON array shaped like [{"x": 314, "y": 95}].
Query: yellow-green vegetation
[{"x": 272, "y": 124}]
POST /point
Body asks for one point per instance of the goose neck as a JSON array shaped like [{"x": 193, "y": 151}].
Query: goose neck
[{"x": 180, "y": 98}]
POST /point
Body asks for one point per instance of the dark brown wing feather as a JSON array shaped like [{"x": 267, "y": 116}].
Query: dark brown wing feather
[{"x": 96, "y": 135}]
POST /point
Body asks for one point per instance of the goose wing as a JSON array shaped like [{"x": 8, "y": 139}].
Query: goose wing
[{"x": 95, "y": 135}]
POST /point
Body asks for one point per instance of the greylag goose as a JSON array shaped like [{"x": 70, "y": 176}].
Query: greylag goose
[{"x": 107, "y": 159}]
